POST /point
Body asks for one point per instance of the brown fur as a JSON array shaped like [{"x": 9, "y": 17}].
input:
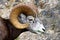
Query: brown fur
[
  {"x": 3, "y": 30},
  {"x": 8, "y": 31},
  {"x": 13, "y": 32}
]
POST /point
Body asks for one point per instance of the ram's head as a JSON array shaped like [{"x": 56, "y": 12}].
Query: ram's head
[{"x": 27, "y": 9}]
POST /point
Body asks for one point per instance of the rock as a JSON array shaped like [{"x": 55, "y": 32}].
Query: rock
[
  {"x": 28, "y": 36},
  {"x": 49, "y": 13},
  {"x": 31, "y": 36},
  {"x": 28, "y": 1}
]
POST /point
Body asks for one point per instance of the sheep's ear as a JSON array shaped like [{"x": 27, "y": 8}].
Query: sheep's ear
[{"x": 27, "y": 9}]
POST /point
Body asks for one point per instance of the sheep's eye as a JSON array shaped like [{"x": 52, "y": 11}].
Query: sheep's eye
[{"x": 30, "y": 19}]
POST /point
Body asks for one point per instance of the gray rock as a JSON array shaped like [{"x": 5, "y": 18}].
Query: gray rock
[
  {"x": 50, "y": 17},
  {"x": 31, "y": 36}
]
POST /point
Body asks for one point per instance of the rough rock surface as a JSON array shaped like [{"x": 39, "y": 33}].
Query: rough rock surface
[
  {"x": 45, "y": 36},
  {"x": 50, "y": 16}
]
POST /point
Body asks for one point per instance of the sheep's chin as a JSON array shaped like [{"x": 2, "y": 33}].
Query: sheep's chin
[{"x": 37, "y": 30}]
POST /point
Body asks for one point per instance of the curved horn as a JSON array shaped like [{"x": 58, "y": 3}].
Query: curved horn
[{"x": 28, "y": 9}]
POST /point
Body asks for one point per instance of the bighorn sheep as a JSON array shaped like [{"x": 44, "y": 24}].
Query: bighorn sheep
[{"x": 27, "y": 9}]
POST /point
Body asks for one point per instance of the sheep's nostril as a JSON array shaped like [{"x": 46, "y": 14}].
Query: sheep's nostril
[{"x": 43, "y": 29}]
